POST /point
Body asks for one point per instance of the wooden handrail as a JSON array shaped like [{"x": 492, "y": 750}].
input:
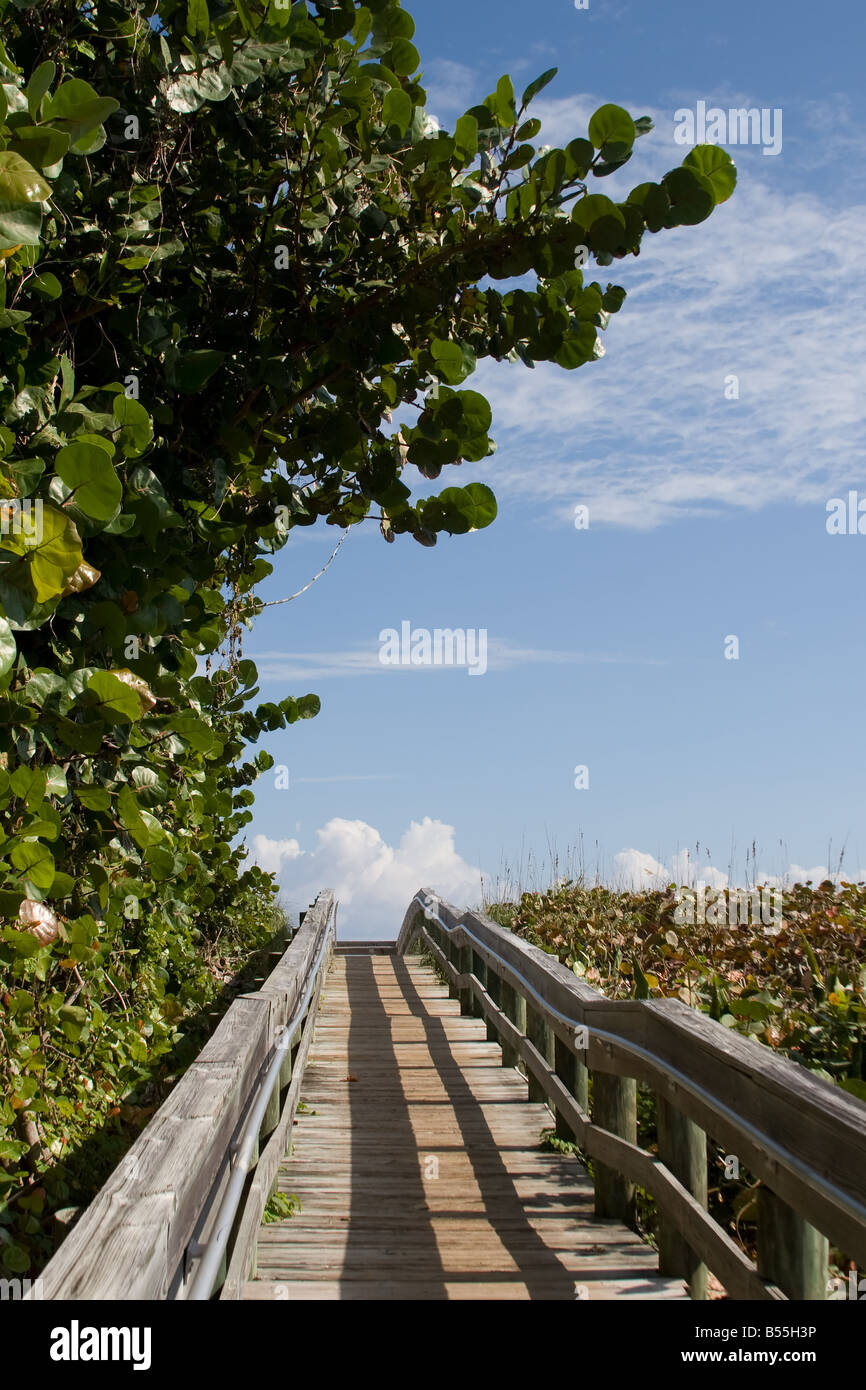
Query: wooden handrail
[
  {"x": 801, "y": 1135},
  {"x": 147, "y": 1231}
]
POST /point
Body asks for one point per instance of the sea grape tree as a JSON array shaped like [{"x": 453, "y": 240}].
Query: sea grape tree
[{"x": 246, "y": 278}]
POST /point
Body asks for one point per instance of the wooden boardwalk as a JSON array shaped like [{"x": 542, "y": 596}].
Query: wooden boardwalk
[{"x": 418, "y": 1165}]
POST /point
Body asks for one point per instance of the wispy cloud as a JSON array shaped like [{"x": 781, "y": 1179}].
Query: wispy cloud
[
  {"x": 501, "y": 656},
  {"x": 770, "y": 291}
]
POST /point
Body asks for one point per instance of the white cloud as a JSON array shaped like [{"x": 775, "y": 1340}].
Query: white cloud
[
  {"x": 269, "y": 854},
  {"x": 769, "y": 289},
  {"x": 373, "y": 881},
  {"x": 797, "y": 874},
  {"x": 502, "y": 655},
  {"x": 637, "y": 871}
]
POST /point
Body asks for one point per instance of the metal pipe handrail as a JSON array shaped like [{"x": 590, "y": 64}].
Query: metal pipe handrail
[
  {"x": 202, "y": 1284},
  {"x": 837, "y": 1194}
]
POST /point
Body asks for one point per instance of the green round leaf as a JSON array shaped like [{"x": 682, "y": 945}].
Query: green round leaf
[
  {"x": 47, "y": 286},
  {"x": 160, "y": 861},
  {"x": 68, "y": 98},
  {"x": 717, "y": 166},
  {"x": 592, "y": 208},
  {"x": 477, "y": 416},
  {"x": 41, "y": 146},
  {"x": 15, "y": 1257},
  {"x": 118, "y": 701},
  {"x": 607, "y": 233},
  {"x": 449, "y": 360},
  {"x": 654, "y": 202},
  {"x": 93, "y": 798},
  {"x": 692, "y": 197},
  {"x": 611, "y": 124},
  {"x": 196, "y": 732},
  {"x": 484, "y": 503},
  {"x": 466, "y": 138},
  {"x": 390, "y": 24},
  {"x": 19, "y": 225},
  {"x": 89, "y": 474},
  {"x": 579, "y": 154},
  {"x": 19, "y": 181},
  {"x": 35, "y": 864},
  {"x": 144, "y": 828},
  {"x": 405, "y": 58},
  {"x": 77, "y": 109},
  {"x": 397, "y": 108},
  {"x": 136, "y": 427},
  {"x": 53, "y": 550}
]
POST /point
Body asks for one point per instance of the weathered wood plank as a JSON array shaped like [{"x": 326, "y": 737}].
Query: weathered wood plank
[
  {"x": 683, "y": 1150},
  {"x": 679, "y": 1207},
  {"x": 614, "y": 1108},
  {"x": 429, "y": 1176},
  {"x": 803, "y": 1136},
  {"x": 790, "y": 1251},
  {"x": 243, "y": 1252}
]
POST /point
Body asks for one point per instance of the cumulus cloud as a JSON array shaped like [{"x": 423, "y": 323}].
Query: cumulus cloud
[
  {"x": 636, "y": 871},
  {"x": 797, "y": 874},
  {"x": 269, "y": 854},
  {"x": 372, "y": 880}
]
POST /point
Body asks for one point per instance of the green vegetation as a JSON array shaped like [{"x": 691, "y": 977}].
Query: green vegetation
[
  {"x": 233, "y": 245},
  {"x": 279, "y": 1206},
  {"x": 800, "y": 989}
]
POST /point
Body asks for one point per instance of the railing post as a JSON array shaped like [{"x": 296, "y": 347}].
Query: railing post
[
  {"x": 791, "y": 1253},
  {"x": 494, "y": 989},
  {"x": 453, "y": 955},
  {"x": 614, "y": 1108},
  {"x": 479, "y": 970},
  {"x": 464, "y": 955},
  {"x": 574, "y": 1077},
  {"x": 540, "y": 1035},
  {"x": 514, "y": 1008},
  {"x": 682, "y": 1149}
]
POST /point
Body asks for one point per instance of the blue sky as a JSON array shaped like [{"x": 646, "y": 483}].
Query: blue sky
[{"x": 707, "y": 520}]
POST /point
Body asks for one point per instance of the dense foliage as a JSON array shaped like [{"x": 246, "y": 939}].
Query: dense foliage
[
  {"x": 233, "y": 243},
  {"x": 797, "y": 984}
]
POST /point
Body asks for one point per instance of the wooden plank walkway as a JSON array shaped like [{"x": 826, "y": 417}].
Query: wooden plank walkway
[{"x": 418, "y": 1165}]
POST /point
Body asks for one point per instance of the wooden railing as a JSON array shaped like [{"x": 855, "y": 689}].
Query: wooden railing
[
  {"x": 180, "y": 1215},
  {"x": 804, "y": 1138}
]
